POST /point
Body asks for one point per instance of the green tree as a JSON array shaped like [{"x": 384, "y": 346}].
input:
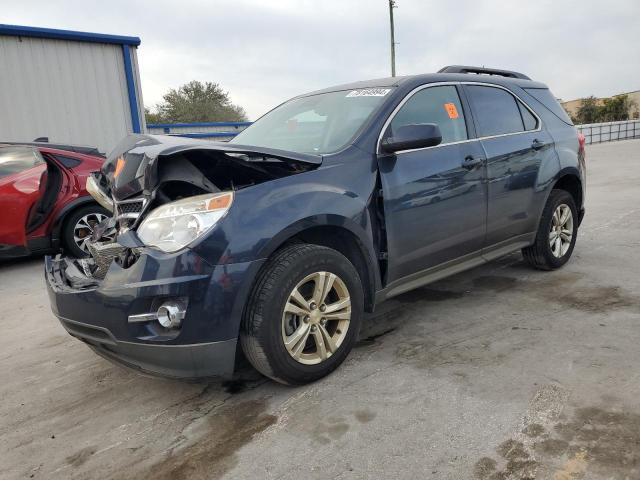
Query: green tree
[
  {"x": 616, "y": 108},
  {"x": 152, "y": 117},
  {"x": 198, "y": 102},
  {"x": 612, "y": 109},
  {"x": 588, "y": 111}
]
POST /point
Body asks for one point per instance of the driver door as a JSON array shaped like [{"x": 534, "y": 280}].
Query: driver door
[{"x": 435, "y": 198}]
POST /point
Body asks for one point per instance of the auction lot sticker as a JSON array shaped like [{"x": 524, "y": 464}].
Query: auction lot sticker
[{"x": 369, "y": 92}]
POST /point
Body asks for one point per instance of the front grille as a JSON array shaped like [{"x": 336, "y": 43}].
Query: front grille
[{"x": 130, "y": 207}]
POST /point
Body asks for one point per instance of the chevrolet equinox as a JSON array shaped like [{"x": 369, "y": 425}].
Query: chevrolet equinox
[{"x": 274, "y": 245}]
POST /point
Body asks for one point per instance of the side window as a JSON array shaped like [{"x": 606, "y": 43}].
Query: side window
[
  {"x": 68, "y": 162},
  {"x": 497, "y": 111},
  {"x": 17, "y": 159},
  {"x": 530, "y": 122},
  {"x": 439, "y": 105}
]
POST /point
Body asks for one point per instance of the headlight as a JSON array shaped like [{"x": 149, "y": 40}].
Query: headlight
[{"x": 175, "y": 225}]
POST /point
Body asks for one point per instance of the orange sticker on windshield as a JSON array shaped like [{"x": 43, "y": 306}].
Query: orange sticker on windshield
[{"x": 451, "y": 109}]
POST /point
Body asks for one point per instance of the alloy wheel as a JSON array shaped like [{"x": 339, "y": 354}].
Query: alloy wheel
[
  {"x": 84, "y": 228},
  {"x": 561, "y": 232},
  {"x": 316, "y": 318}
]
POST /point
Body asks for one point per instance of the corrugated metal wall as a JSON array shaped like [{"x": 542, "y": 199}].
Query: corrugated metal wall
[{"x": 70, "y": 91}]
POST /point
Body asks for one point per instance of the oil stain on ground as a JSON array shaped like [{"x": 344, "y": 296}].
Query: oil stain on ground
[
  {"x": 372, "y": 339},
  {"x": 364, "y": 416},
  {"x": 81, "y": 456},
  {"x": 215, "y": 454},
  {"x": 426, "y": 294},
  {"x": 561, "y": 288},
  {"x": 603, "y": 442},
  {"x": 423, "y": 353},
  {"x": 495, "y": 283},
  {"x": 596, "y": 299},
  {"x": 332, "y": 429}
]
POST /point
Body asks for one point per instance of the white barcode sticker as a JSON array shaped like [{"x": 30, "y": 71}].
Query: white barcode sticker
[{"x": 369, "y": 92}]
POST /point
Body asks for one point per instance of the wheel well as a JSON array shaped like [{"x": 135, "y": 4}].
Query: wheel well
[
  {"x": 571, "y": 183},
  {"x": 348, "y": 245},
  {"x": 64, "y": 216}
]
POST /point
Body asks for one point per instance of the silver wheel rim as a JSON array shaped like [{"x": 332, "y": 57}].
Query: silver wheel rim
[
  {"x": 84, "y": 228},
  {"x": 561, "y": 232},
  {"x": 316, "y": 318}
]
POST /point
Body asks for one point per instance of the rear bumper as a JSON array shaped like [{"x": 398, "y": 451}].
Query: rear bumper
[{"x": 98, "y": 312}]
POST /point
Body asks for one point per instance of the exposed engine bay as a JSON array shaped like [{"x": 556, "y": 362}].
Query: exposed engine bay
[{"x": 145, "y": 172}]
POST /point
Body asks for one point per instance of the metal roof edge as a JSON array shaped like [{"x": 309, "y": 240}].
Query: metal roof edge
[{"x": 53, "y": 33}]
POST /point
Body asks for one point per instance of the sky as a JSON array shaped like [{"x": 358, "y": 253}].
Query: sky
[{"x": 264, "y": 52}]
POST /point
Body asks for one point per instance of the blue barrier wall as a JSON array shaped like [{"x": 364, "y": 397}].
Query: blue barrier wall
[{"x": 220, "y": 131}]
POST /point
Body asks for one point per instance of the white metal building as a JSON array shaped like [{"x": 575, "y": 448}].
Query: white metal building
[{"x": 72, "y": 87}]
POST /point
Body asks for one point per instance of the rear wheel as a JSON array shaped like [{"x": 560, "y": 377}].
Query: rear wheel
[
  {"x": 303, "y": 315},
  {"x": 78, "y": 227},
  {"x": 557, "y": 233}
]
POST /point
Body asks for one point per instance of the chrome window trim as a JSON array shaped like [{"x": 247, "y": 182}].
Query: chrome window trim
[{"x": 438, "y": 84}]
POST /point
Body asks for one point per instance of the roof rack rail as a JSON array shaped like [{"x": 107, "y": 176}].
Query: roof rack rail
[{"x": 482, "y": 70}]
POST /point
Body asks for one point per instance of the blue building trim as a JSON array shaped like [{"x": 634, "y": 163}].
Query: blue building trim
[
  {"x": 198, "y": 124},
  {"x": 204, "y": 134},
  {"x": 22, "y": 31},
  {"x": 131, "y": 89}
]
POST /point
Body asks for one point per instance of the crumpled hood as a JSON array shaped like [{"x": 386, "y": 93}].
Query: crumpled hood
[{"x": 131, "y": 167}]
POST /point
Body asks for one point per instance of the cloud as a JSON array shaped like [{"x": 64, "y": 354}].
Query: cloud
[{"x": 265, "y": 52}]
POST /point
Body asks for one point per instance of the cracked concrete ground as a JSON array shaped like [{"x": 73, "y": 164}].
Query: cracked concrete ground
[{"x": 501, "y": 372}]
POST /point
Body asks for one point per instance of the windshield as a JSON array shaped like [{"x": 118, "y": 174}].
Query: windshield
[{"x": 316, "y": 124}]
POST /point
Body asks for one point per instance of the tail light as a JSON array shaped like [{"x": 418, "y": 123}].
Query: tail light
[{"x": 581, "y": 142}]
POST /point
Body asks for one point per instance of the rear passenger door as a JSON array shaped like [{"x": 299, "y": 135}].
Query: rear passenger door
[
  {"x": 434, "y": 197},
  {"x": 517, "y": 147}
]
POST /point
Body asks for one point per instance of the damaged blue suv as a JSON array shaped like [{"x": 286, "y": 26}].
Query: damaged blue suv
[{"x": 274, "y": 245}]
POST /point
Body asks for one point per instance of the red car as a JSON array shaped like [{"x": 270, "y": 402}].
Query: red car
[{"x": 44, "y": 205}]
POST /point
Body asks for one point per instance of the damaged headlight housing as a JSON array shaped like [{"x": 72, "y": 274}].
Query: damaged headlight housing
[{"x": 175, "y": 225}]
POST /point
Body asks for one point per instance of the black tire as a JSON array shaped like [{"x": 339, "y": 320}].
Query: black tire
[
  {"x": 540, "y": 255},
  {"x": 68, "y": 244},
  {"x": 261, "y": 332}
]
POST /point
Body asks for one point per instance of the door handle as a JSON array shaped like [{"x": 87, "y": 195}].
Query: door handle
[
  {"x": 471, "y": 162},
  {"x": 537, "y": 144}
]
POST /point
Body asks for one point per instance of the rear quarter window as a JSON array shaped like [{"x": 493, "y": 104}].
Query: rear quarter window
[
  {"x": 68, "y": 162},
  {"x": 546, "y": 98}
]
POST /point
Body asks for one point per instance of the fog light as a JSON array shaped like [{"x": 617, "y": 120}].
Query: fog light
[{"x": 170, "y": 314}]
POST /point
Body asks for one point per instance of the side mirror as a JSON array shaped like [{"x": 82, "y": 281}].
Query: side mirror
[{"x": 407, "y": 137}]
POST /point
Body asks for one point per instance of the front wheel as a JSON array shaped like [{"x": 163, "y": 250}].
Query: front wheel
[
  {"x": 557, "y": 233},
  {"x": 303, "y": 315}
]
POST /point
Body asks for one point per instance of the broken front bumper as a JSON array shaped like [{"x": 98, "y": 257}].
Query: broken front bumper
[{"x": 97, "y": 311}]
